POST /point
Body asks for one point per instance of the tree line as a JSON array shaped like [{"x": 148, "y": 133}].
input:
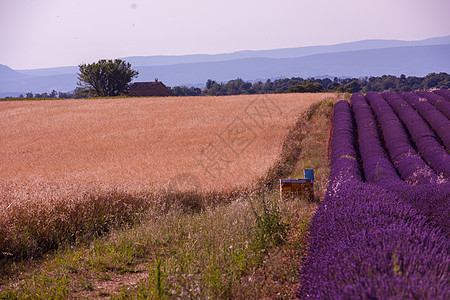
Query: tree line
[
  {"x": 316, "y": 85},
  {"x": 113, "y": 78},
  {"x": 75, "y": 94}
]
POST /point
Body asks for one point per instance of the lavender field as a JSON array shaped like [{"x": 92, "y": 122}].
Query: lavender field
[{"x": 382, "y": 231}]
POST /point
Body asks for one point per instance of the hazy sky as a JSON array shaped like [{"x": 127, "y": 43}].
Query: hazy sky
[{"x": 49, "y": 33}]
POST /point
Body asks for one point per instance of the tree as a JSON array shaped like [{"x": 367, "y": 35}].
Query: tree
[
  {"x": 209, "y": 83},
  {"x": 106, "y": 77},
  {"x": 352, "y": 87},
  {"x": 64, "y": 95},
  {"x": 53, "y": 94},
  {"x": 312, "y": 87},
  {"x": 185, "y": 91},
  {"x": 297, "y": 88}
]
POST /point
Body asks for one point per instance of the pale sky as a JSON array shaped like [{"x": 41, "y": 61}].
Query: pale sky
[{"x": 51, "y": 33}]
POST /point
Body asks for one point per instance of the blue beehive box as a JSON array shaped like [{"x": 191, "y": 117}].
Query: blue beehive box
[{"x": 309, "y": 174}]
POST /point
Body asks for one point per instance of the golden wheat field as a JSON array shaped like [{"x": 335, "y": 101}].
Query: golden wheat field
[
  {"x": 72, "y": 169},
  {"x": 215, "y": 143}
]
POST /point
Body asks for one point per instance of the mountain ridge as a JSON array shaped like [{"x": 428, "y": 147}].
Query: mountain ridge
[
  {"x": 340, "y": 64},
  {"x": 138, "y": 61},
  {"x": 417, "y": 60},
  {"x": 158, "y": 60}
]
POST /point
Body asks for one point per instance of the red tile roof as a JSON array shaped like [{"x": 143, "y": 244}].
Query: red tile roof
[{"x": 146, "y": 85}]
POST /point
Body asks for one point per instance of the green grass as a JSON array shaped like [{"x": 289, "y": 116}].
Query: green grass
[
  {"x": 317, "y": 136},
  {"x": 206, "y": 254}
]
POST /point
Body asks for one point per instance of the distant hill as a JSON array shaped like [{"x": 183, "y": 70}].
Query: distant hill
[
  {"x": 417, "y": 60},
  {"x": 51, "y": 71},
  {"x": 356, "y": 59},
  {"x": 39, "y": 84},
  {"x": 8, "y": 74},
  {"x": 162, "y": 60}
]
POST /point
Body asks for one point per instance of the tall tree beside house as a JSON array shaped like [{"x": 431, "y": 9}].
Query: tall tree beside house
[{"x": 106, "y": 77}]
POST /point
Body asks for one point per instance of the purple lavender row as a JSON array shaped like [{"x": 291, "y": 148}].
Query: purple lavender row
[
  {"x": 438, "y": 101},
  {"x": 377, "y": 166},
  {"x": 404, "y": 157},
  {"x": 344, "y": 158},
  {"x": 438, "y": 122},
  {"x": 443, "y": 93},
  {"x": 367, "y": 243},
  {"x": 424, "y": 139},
  {"x": 429, "y": 199}
]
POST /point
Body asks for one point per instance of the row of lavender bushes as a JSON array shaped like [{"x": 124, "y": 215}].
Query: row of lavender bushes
[
  {"x": 438, "y": 99},
  {"x": 437, "y": 120},
  {"x": 405, "y": 158},
  {"x": 423, "y": 137},
  {"x": 382, "y": 231}
]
